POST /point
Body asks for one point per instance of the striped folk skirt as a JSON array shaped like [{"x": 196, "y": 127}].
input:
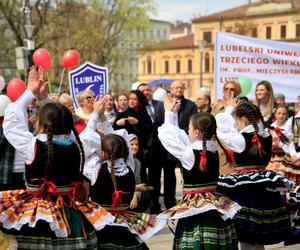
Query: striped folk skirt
[
  {"x": 264, "y": 217},
  {"x": 52, "y": 222},
  {"x": 204, "y": 221},
  {"x": 288, "y": 169},
  {"x": 132, "y": 230}
]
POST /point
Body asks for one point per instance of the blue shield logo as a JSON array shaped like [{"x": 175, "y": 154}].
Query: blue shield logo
[{"x": 88, "y": 77}]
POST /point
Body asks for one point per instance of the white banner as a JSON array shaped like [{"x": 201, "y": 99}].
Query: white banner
[{"x": 240, "y": 56}]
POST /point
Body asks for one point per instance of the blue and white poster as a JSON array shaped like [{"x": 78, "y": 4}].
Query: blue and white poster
[{"x": 88, "y": 77}]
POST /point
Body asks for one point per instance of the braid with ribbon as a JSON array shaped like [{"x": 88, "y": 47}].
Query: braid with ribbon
[
  {"x": 49, "y": 151},
  {"x": 116, "y": 196},
  {"x": 116, "y": 147},
  {"x": 113, "y": 172},
  {"x": 206, "y": 124},
  {"x": 203, "y": 157},
  {"x": 253, "y": 117}
]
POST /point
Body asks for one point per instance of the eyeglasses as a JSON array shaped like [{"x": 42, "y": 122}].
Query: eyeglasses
[
  {"x": 89, "y": 97},
  {"x": 229, "y": 89}
]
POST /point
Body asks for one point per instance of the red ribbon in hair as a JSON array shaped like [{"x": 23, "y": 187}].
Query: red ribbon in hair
[
  {"x": 116, "y": 199},
  {"x": 203, "y": 160},
  {"x": 255, "y": 139},
  {"x": 231, "y": 155},
  {"x": 278, "y": 131}
]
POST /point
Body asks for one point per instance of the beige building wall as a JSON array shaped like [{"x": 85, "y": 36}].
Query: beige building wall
[
  {"x": 191, "y": 79},
  {"x": 262, "y": 16}
]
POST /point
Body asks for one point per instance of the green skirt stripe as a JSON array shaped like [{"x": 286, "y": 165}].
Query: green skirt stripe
[
  {"x": 265, "y": 212},
  {"x": 42, "y": 237},
  {"x": 205, "y": 231}
]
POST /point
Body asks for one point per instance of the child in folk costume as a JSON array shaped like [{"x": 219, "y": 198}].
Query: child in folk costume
[
  {"x": 52, "y": 212},
  {"x": 285, "y": 161},
  {"x": 204, "y": 215},
  {"x": 142, "y": 196},
  {"x": 283, "y": 149},
  {"x": 113, "y": 185},
  {"x": 263, "y": 219}
]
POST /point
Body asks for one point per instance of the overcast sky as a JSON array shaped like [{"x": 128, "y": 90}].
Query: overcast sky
[{"x": 185, "y": 10}]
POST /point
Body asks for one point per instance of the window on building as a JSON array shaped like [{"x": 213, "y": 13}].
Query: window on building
[
  {"x": 268, "y": 32},
  {"x": 254, "y": 32},
  {"x": 228, "y": 30},
  {"x": 283, "y": 31},
  {"x": 165, "y": 34},
  {"x": 207, "y": 36},
  {"x": 177, "y": 66},
  {"x": 149, "y": 66},
  {"x": 190, "y": 66},
  {"x": 158, "y": 33},
  {"x": 206, "y": 62},
  {"x": 298, "y": 30},
  {"x": 151, "y": 33},
  {"x": 167, "y": 67},
  {"x": 154, "y": 67}
]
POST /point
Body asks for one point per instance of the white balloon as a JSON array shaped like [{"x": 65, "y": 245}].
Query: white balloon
[
  {"x": 159, "y": 94},
  {"x": 135, "y": 85},
  {"x": 2, "y": 83},
  {"x": 4, "y": 101}
]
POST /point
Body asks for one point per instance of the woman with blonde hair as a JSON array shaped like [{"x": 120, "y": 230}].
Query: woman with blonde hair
[
  {"x": 67, "y": 100},
  {"x": 264, "y": 99},
  {"x": 86, "y": 104}
]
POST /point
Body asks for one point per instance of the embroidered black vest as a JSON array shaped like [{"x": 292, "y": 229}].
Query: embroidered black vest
[
  {"x": 103, "y": 189},
  {"x": 247, "y": 159},
  {"x": 196, "y": 178},
  {"x": 65, "y": 168}
]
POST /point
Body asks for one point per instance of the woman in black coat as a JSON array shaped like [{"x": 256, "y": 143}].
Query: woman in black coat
[{"x": 136, "y": 121}]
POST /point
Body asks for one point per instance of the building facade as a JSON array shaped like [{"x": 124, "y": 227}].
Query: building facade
[
  {"x": 269, "y": 19},
  {"x": 128, "y": 72}
]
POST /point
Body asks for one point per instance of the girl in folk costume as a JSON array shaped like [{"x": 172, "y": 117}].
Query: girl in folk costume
[
  {"x": 283, "y": 149},
  {"x": 204, "y": 215},
  {"x": 263, "y": 219},
  {"x": 52, "y": 212},
  {"x": 113, "y": 185},
  {"x": 285, "y": 161}
]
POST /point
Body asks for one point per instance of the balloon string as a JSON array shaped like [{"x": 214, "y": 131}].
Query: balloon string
[
  {"x": 61, "y": 80},
  {"x": 49, "y": 84}
]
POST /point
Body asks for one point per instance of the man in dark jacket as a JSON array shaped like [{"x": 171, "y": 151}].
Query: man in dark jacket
[{"x": 161, "y": 156}]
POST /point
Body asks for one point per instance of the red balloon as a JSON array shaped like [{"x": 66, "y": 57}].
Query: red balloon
[
  {"x": 41, "y": 57},
  {"x": 70, "y": 59},
  {"x": 15, "y": 89}
]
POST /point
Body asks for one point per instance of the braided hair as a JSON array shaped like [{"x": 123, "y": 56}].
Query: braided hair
[
  {"x": 55, "y": 119},
  {"x": 206, "y": 124},
  {"x": 115, "y": 147},
  {"x": 253, "y": 114}
]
